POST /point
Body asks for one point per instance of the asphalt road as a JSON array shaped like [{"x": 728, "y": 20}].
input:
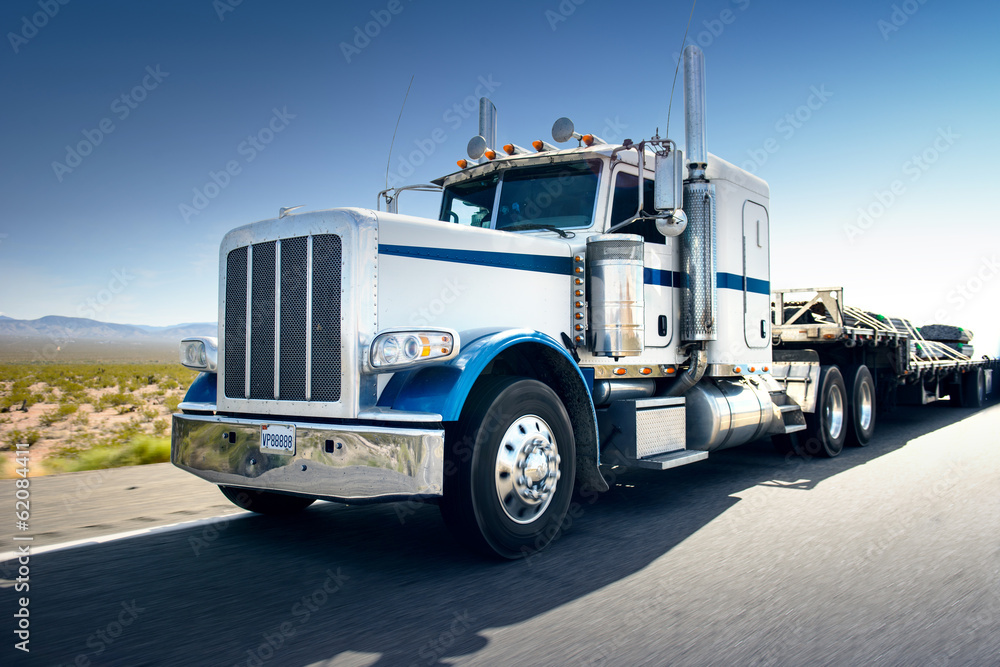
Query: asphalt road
[{"x": 887, "y": 555}]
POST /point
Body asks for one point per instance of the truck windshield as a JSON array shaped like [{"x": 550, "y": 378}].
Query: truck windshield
[
  {"x": 471, "y": 202},
  {"x": 559, "y": 196}
]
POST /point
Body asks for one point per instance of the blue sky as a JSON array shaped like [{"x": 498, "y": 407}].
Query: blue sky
[{"x": 873, "y": 122}]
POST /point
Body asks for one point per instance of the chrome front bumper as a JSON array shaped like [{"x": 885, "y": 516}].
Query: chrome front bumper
[{"x": 331, "y": 461}]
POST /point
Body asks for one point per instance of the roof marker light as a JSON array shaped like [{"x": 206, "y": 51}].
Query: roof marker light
[{"x": 462, "y": 164}]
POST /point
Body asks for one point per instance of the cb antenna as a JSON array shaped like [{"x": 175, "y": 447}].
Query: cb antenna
[
  {"x": 391, "y": 143},
  {"x": 676, "y": 69}
]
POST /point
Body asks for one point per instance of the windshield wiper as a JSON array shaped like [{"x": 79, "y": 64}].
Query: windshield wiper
[{"x": 537, "y": 225}]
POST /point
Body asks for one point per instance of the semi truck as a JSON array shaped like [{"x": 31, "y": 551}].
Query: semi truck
[{"x": 571, "y": 309}]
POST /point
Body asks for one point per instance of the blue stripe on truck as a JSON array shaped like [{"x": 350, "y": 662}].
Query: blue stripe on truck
[
  {"x": 559, "y": 266},
  {"x": 504, "y": 260}
]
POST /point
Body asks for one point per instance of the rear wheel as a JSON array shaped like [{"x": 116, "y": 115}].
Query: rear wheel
[
  {"x": 265, "y": 502},
  {"x": 861, "y": 390},
  {"x": 973, "y": 389},
  {"x": 827, "y": 426},
  {"x": 513, "y": 459}
]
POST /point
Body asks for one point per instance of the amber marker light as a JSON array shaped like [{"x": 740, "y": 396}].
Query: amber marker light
[
  {"x": 588, "y": 139},
  {"x": 491, "y": 154},
  {"x": 538, "y": 145},
  {"x": 671, "y": 371},
  {"x": 508, "y": 149},
  {"x": 645, "y": 371},
  {"x": 620, "y": 371},
  {"x": 738, "y": 369}
]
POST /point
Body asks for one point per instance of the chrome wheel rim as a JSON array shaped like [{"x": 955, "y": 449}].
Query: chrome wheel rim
[
  {"x": 834, "y": 413},
  {"x": 865, "y": 406},
  {"x": 527, "y": 469}
]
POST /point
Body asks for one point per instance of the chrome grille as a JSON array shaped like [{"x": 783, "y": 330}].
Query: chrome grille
[
  {"x": 262, "y": 321},
  {"x": 294, "y": 331},
  {"x": 236, "y": 323},
  {"x": 326, "y": 318},
  {"x": 292, "y": 372}
]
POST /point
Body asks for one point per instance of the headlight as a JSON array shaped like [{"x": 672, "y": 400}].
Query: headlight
[
  {"x": 201, "y": 354},
  {"x": 400, "y": 348}
]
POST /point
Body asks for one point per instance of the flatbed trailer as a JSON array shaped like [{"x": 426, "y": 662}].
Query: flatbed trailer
[{"x": 814, "y": 326}]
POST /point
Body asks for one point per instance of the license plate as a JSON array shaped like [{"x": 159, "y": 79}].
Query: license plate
[{"x": 278, "y": 438}]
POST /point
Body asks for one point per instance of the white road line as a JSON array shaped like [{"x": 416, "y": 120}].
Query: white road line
[{"x": 155, "y": 530}]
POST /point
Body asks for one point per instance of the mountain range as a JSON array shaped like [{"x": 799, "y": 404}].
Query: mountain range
[{"x": 55, "y": 327}]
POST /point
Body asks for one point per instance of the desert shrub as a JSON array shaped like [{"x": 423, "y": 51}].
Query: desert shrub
[
  {"x": 17, "y": 436},
  {"x": 60, "y": 413},
  {"x": 160, "y": 427},
  {"x": 138, "y": 450},
  {"x": 172, "y": 402}
]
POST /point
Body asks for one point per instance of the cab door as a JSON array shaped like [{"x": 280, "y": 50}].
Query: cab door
[{"x": 756, "y": 276}]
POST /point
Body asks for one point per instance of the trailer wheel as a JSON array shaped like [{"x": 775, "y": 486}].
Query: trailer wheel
[
  {"x": 512, "y": 460},
  {"x": 861, "y": 390},
  {"x": 265, "y": 502},
  {"x": 973, "y": 390},
  {"x": 827, "y": 427}
]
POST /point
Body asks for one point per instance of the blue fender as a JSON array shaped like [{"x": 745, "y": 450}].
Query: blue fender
[
  {"x": 203, "y": 389},
  {"x": 443, "y": 389}
]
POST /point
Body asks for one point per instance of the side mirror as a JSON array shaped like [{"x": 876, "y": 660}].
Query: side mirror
[
  {"x": 667, "y": 189},
  {"x": 563, "y": 130},
  {"x": 477, "y": 147}
]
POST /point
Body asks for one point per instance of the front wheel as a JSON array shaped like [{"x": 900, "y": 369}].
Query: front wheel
[
  {"x": 265, "y": 502},
  {"x": 512, "y": 464}
]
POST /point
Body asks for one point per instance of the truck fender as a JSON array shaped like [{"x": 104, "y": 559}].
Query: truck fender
[
  {"x": 203, "y": 389},
  {"x": 444, "y": 388}
]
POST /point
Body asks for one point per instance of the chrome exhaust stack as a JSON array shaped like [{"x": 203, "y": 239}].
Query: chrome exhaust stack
[
  {"x": 487, "y": 137},
  {"x": 699, "y": 301},
  {"x": 694, "y": 112},
  {"x": 488, "y": 121}
]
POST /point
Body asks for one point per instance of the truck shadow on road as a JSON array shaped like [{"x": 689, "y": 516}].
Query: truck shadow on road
[{"x": 375, "y": 585}]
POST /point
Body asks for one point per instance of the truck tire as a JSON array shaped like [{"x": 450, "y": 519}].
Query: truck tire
[
  {"x": 512, "y": 462},
  {"x": 826, "y": 429},
  {"x": 265, "y": 502},
  {"x": 973, "y": 390},
  {"x": 861, "y": 393}
]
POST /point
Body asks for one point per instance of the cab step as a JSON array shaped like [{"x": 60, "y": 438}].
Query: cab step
[
  {"x": 792, "y": 418},
  {"x": 670, "y": 460}
]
